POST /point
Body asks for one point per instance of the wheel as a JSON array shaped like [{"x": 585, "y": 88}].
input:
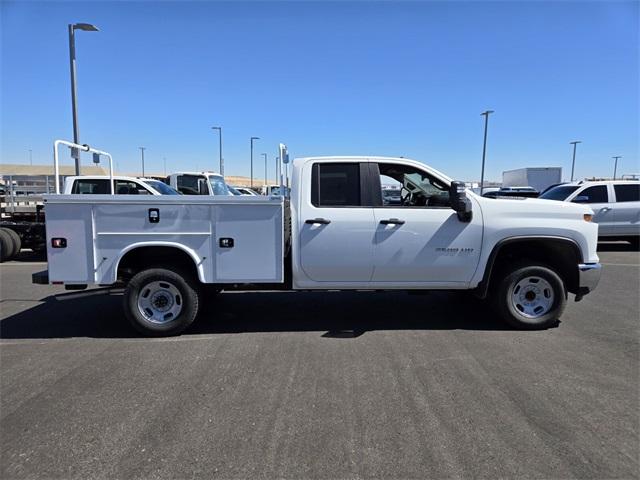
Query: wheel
[
  {"x": 17, "y": 241},
  {"x": 161, "y": 302},
  {"x": 6, "y": 245},
  {"x": 530, "y": 296}
]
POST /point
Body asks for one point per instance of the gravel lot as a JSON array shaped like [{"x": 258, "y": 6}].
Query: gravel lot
[{"x": 326, "y": 385}]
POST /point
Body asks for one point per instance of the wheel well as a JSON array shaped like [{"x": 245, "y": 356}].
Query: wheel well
[
  {"x": 561, "y": 255},
  {"x": 141, "y": 258}
]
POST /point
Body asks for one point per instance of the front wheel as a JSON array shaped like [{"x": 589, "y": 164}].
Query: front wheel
[
  {"x": 530, "y": 297},
  {"x": 161, "y": 302}
]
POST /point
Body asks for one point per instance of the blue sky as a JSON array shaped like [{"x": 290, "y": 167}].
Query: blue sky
[{"x": 327, "y": 78}]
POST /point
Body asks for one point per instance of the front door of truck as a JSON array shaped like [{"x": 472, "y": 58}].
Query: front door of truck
[
  {"x": 597, "y": 198},
  {"x": 421, "y": 239},
  {"x": 335, "y": 223}
]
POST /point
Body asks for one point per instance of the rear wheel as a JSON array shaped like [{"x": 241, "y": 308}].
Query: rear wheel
[
  {"x": 161, "y": 302},
  {"x": 6, "y": 245},
  {"x": 17, "y": 241},
  {"x": 530, "y": 296}
]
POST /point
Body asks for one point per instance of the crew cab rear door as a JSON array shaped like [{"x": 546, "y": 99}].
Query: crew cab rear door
[{"x": 335, "y": 223}]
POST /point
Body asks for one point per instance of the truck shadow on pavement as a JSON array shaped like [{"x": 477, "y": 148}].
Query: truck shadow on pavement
[{"x": 98, "y": 314}]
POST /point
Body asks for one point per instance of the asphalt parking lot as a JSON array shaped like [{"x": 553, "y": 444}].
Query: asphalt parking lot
[{"x": 327, "y": 385}]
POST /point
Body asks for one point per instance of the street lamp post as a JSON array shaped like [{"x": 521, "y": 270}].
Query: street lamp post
[
  {"x": 615, "y": 165},
  {"x": 484, "y": 146},
  {"x": 142, "y": 149},
  {"x": 220, "y": 148},
  {"x": 30, "y": 157},
  {"x": 573, "y": 162},
  {"x": 164, "y": 163},
  {"x": 252, "y": 140},
  {"x": 265, "y": 169},
  {"x": 87, "y": 27}
]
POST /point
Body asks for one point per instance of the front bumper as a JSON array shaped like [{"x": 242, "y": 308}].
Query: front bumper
[{"x": 588, "y": 278}]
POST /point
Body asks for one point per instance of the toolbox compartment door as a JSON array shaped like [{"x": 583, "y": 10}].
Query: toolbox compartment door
[{"x": 249, "y": 243}]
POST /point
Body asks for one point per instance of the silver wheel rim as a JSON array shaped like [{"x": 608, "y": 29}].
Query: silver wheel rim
[
  {"x": 532, "y": 297},
  {"x": 160, "y": 302}
]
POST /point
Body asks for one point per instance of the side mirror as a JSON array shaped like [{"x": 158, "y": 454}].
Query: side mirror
[
  {"x": 580, "y": 199},
  {"x": 459, "y": 201}
]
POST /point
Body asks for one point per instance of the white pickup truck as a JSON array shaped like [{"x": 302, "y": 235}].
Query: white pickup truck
[{"x": 335, "y": 233}]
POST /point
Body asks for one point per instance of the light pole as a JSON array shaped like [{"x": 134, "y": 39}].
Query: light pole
[
  {"x": 164, "y": 163},
  {"x": 615, "y": 166},
  {"x": 484, "y": 146},
  {"x": 252, "y": 140},
  {"x": 265, "y": 169},
  {"x": 573, "y": 162},
  {"x": 30, "y": 157},
  {"x": 142, "y": 149},
  {"x": 220, "y": 148},
  {"x": 87, "y": 27}
]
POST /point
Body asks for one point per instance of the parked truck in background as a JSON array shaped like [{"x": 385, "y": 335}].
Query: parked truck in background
[
  {"x": 334, "y": 233},
  {"x": 198, "y": 183}
]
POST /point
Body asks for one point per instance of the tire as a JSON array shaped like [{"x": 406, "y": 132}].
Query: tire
[
  {"x": 6, "y": 245},
  {"x": 17, "y": 241},
  {"x": 160, "y": 302},
  {"x": 530, "y": 296}
]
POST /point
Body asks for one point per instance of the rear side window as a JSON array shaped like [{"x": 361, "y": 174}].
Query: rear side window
[
  {"x": 627, "y": 193},
  {"x": 597, "y": 194},
  {"x": 335, "y": 185},
  {"x": 89, "y": 186}
]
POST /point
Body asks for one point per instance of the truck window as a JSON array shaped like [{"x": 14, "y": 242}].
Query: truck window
[
  {"x": 126, "y": 187},
  {"x": 335, "y": 185},
  {"x": 218, "y": 187},
  {"x": 627, "y": 193},
  {"x": 595, "y": 194},
  {"x": 189, "y": 184},
  {"x": 91, "y": 186},
  {"x": 416, "y": 188}
]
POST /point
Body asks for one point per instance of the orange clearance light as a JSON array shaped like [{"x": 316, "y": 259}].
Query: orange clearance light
[{"x": 588, "y": 217}]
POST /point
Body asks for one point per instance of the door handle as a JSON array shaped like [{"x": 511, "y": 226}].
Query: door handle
[
  {"x": 605, "y": 209},
  {"x": 321, "y": 221},
  {"x": 392, "y": 221}
]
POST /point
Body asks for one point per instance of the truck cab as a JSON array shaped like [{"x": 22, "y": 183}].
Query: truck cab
[{"x": 199, "y": 183}]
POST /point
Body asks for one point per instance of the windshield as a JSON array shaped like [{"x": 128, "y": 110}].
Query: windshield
[
  {"x": 162, "y": 187},
  {"x": 560, "y": 192},
  {"x": 391, "y": 193},
  {"x": 218, "y": 186}
]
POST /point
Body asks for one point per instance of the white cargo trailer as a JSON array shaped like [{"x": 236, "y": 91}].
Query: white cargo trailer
[{"x": 537, "y": 177}]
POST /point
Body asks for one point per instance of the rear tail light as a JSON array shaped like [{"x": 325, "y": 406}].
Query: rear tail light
[{"x": 59, "y": 242}]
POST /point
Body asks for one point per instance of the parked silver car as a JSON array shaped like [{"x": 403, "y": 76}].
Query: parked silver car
[{"x": 615, "y": 205}]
